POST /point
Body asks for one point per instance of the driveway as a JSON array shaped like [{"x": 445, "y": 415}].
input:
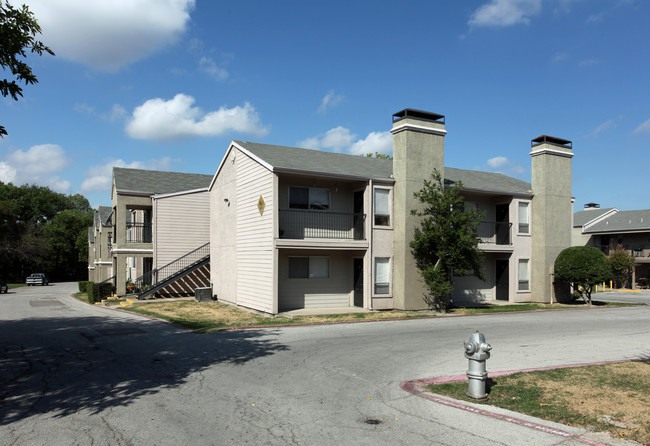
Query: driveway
[{"x": 78, "y": 374}]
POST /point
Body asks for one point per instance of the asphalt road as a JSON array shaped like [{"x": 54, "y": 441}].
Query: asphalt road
[{"x": 73, "y": 373}]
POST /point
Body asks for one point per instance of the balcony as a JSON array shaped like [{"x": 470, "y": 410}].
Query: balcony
[
  {"x": 138, "y": 232},
  {"x": 494, "y": 233},
  {"x": 298, "y": 224}
]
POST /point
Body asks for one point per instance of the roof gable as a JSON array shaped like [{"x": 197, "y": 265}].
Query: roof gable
[{"x": 624, "y": 221}]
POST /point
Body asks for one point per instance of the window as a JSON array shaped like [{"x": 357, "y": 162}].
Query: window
[
  {"x": 309, "y": 267},
  {"x": 382, "y": 275},
  {"x": 382, "y": 207},
  {"x": 523, "y": 275},
  {"x": 524, "y": 218},
  {"x": 309, "y": 198}
]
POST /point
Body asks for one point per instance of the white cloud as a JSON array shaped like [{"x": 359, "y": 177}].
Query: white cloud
[
  {"x": 7, "y": 173},
  {"x": 99, "y": 178},
  {"x": 644, "y": 127},
  {"x": 117, "y": 113},
  {"x": 83, "y": 108},
  {"x": 588, "y": 62},
  {"x": 336, "y": 139},
  {"x": 162, "y": 120},
  {"x": 498, "y": 161},
  {"x": 381, "y": 142},
  {"x": 109, "y": 34},
  {"x": 36, "y": 165},
  {"x": 330, "y": 100},
  {"x": 560, "y": 57},
  {"x": 609, "y": 124},
  {"x": 209, "y": 66},
  {"x": 505, "y": 12}
]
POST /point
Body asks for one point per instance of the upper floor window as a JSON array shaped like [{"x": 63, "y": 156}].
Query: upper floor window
[
  {"x": 309, "y": 198},
  {"x": 524, "y": 217},
  {"x": 382, "y": 207}
]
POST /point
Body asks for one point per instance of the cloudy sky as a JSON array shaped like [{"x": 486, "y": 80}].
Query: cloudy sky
[{"x": 166, "y": 84}]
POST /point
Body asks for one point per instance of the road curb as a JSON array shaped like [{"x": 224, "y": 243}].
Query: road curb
[{"x": 417, "y": 387}]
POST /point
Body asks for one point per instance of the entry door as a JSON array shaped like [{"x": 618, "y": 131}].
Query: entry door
[
  {"x": 358, "y": 282},
  {"x": 502, "y": 281}
]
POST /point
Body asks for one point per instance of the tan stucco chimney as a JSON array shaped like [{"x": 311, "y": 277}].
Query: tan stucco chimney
[
  {"x": 551, "y": 217},
  {"x": 418, "y": 149}
]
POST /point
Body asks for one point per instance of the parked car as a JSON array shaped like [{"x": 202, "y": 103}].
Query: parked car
[
  {"x": 3, "y": 286},
  {"x": 37, "y": 279}
]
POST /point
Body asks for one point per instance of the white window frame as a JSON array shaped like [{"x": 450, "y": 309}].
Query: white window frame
[
  {"x": 389, "y": 215},
  {"x": 525, "y": 280},
  {"x": 309, "y": 198},
  {"x": 311, "y": 268},
  {"x": 375, "y": 276},
  {"x": 520, "y": 214}
]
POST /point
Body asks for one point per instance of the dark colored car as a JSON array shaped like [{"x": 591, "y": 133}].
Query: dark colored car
[
  {"x": 3, "y": 286},
  {"x": 37, "y": 279}
]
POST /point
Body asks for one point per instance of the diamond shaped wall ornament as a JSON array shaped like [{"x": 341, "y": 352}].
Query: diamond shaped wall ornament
[{"x": 261, "y": 204}]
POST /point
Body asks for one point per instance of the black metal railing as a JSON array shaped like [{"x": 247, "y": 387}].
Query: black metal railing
[
  {"x": 298, "y": 224},
  {"x": 138, "y": 232},
  {"x": 494, "y": 233},
  {"x": 103, "y": 290},
  {"x": 152, "y": 278}
]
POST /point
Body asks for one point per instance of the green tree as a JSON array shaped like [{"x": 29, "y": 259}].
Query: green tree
[
  {"x": 622, "y": 265},
  {"x": 18, "y": 29},
  {"x": 446, "y": 242},
  {"x": 583, "y": 267}
]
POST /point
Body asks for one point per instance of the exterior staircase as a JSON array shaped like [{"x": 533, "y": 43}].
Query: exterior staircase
[{"x": 178, "y": 278}]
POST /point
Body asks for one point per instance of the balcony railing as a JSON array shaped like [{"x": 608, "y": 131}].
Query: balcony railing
[
  {"x": 298, "y": 224},
  {"x": 494, "y": 233},
  {"x": 138, "y": 232}
]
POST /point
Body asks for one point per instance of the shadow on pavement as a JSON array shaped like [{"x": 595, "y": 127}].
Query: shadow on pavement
[{"x": 63, "y": 365}]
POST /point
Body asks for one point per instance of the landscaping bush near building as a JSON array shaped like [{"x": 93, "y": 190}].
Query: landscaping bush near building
[
  {"x": 83, "y": 286},
  {"x": 583, "y": 267},
  {"x": 90, "y": 289},
  {"x": 622, "y": 266}
]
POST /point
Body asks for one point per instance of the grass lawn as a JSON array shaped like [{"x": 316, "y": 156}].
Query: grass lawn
[
  {"x": 206, "y": 317},
  {"x": 610, "y": 398},
  {"x": 15, "y": 285}
]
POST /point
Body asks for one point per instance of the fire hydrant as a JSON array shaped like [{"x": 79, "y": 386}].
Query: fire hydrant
[{"x": 477, "y": 351}]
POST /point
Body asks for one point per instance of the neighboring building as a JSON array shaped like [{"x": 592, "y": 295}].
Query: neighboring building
[
  {"x": 133, "y": 195},
  {"x": 100, "y": 235},
  {"x": 295, "y": 228},
  {"x": 610, "y": 228}
]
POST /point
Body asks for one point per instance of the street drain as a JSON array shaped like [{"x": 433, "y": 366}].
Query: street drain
[{"x": 372, "y": 421}]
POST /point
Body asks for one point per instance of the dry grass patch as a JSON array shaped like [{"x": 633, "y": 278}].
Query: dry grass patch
[{"x": 611, "y": 397}]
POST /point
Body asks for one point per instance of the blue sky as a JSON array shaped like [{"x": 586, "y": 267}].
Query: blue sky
[{"x": 166, "y": 84}]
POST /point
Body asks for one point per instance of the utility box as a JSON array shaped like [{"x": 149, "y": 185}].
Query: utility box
[{"x": 203, "y": 294}]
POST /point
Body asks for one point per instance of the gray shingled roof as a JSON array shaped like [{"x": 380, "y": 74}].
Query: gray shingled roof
[
  {"x": 105, "y": 214},
  {"x": 581, "y": 218},
  {"x": 151, "y": 182},
  {"x": 622, "y": 222},
  {"x": 318, "y": 162}
]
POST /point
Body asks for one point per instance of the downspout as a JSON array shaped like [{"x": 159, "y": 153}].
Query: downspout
[{"x": 369, "y": 224}]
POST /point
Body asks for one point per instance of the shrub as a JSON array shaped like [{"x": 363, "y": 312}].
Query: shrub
[
  {"x": 583, "y": 267},
  {"x": 622, "y": 265},
  {"x": 83, "y": 286},
  {"x": 103, "y": 290},
  {"x": 90, "y": 289}
]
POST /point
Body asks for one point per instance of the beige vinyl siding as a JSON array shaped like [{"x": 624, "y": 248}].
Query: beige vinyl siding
[
  {"x": 223, "y": 230},
  {"x": 332, "y": 292},
  {"x": 254, "y": 235},
  {"x": 182, "y": 225}
]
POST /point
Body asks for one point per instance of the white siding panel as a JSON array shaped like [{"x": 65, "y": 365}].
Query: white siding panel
[
  {"x": 254, "y": 235},
  {"x": 182, "y": 225}
]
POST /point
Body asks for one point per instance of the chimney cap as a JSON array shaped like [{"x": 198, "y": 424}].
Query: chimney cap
[
  {"x": 592, "y": 206},
  {"x": 551, "y": 140},
  {"x": 418, "y": 114}
]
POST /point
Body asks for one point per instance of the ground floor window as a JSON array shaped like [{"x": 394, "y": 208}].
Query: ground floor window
[
  {"x": 309, "y": 267},
  {"x": 382, "y": 275},
  {"x": 523, "y": 275}
]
